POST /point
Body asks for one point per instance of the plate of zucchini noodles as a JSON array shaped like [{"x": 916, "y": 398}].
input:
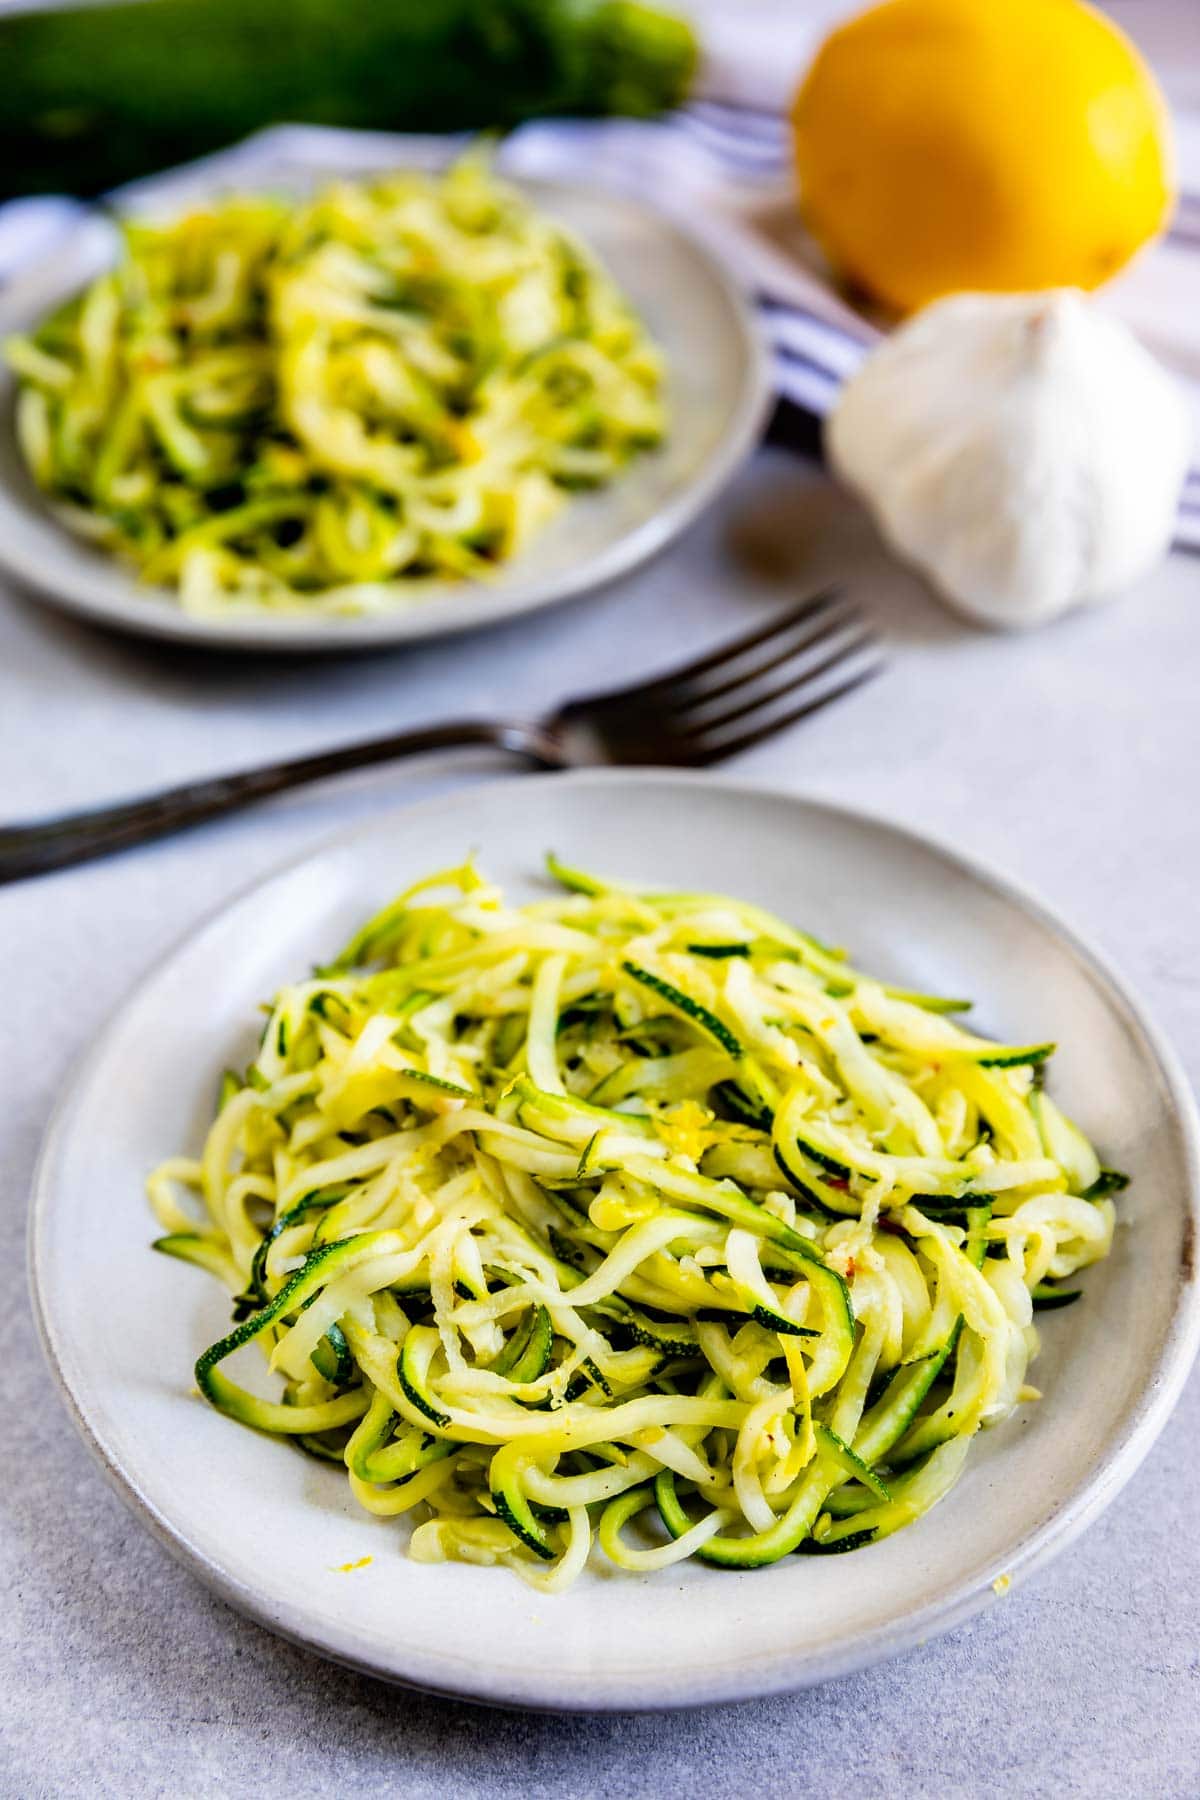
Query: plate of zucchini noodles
[
  {"x": 716, "y": 1238},
  {"x": 376, "y": 409}
]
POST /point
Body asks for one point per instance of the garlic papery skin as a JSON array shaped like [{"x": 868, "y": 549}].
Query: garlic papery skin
[{"x": 1022, "y": 450}]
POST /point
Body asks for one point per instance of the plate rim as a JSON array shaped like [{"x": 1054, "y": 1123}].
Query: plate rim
[
  {"x": 464, "y": 609},
  {"x": 741, "y": 1679}
]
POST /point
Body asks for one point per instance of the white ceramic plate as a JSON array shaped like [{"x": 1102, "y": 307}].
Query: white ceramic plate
[
  {"x": 269, "y": 1529},
  {"x": 718, "y": 395}
]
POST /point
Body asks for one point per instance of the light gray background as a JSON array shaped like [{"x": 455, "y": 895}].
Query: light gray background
[{"x": 1069, "y": 757}]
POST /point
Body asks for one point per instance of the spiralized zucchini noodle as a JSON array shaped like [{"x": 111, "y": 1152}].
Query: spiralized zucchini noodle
[
  {"x": 634, "y": 1217},
  {"x": 332, "y": 404}
]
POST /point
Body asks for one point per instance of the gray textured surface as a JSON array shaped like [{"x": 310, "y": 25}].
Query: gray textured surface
[{"x": 1068, "y": 757}]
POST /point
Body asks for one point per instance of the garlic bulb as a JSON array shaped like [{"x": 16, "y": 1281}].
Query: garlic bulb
[{"x": 1023, "y": 450}]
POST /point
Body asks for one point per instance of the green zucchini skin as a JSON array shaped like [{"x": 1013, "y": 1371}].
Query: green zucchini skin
[
  {"x": 227, "y": 1397},
  {"x": 857, "y": 1540},
  {"x": 332, "y": 1358},
  {"x": 1047, "y": 1297},
  {"x": 415, "y": 1389},
  {"x": 760, "y": 1549},
  {"x": 776, "y": 1321},
  {"x": 1109, "y": 1181},
  {"x": 513, "y": 1506},
  {"x": 194, "y": 1248},
  {"x": 690, "y": 1009},
  {"x": 900, "y": 1401},
  {"x": 850, "y": 1464},
  {"x": 514, "y": 1509},
  {"x": 97, "y": 95},
  {"x": 310, "y": 1203},
  {"x": 527, "y": 1353}
]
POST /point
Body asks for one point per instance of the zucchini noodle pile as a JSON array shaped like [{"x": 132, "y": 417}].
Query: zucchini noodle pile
[
  {"x": 321, "y": 404},
  {"x": 642, "y": 1218}
]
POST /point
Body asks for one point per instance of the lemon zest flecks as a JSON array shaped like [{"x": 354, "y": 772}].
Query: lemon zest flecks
[{"x": 686, "y": 1129}]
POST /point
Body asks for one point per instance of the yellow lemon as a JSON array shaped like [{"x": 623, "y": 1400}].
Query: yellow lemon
[{"x": 994, "y": 144}]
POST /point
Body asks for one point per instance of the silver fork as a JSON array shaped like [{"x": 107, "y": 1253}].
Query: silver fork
[{"x": 734, "y": 697}]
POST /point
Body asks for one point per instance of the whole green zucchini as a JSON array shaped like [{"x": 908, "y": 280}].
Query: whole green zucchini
[{"x": 96, "y": 95}]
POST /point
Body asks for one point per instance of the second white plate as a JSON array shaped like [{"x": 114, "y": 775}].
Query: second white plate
[
  {"x": 718, "y": 394},
  {"x": 274, "y": 1532}
]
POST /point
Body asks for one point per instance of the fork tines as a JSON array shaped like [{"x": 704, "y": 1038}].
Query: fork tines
[{"x": 734, "y": 697}]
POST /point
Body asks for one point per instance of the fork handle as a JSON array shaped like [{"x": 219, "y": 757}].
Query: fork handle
[{"x": 48, "y": 844}]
